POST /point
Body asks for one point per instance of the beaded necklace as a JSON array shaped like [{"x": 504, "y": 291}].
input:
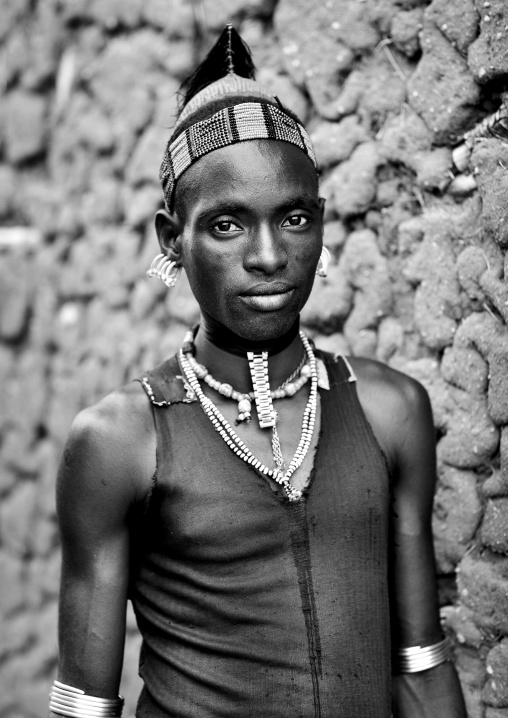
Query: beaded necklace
[
  {"x": 259, "y": 366},
  {"x": 289, "y": 387}
]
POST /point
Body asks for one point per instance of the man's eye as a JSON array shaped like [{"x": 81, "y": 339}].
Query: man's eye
[
  {"x": 225, "y": 226},
  {"x": 296, "y": 220}
]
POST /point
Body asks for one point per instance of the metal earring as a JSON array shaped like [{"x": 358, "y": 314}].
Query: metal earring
[
  {"x": 164, "y": 269},
  {"x": 324, "y": 261}
]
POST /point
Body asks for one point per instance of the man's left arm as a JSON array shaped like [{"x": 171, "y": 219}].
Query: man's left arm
[{"x": 435, "y": 692}]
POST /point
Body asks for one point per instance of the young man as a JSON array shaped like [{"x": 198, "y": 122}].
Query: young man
[{"x": 265, "y": 506}]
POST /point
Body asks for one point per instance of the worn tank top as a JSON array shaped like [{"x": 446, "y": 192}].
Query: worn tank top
[{"x": 251, "y": 605}]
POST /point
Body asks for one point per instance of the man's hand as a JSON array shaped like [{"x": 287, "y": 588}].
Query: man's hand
[{"x": 435, "y": 693}]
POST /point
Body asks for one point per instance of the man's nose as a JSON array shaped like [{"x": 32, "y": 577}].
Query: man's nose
[{"x": 266, "y": 251}]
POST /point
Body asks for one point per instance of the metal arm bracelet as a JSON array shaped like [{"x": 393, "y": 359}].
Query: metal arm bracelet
[
  {"x": 416, "y": 658},
  {"x": 73, "y": 702}
]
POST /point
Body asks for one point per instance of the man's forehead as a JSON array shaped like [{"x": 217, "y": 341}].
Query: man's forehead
[{"x": 254, "y": 166}]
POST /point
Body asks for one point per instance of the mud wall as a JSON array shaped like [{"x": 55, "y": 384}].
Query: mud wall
[{"x": 387, "y": 88}]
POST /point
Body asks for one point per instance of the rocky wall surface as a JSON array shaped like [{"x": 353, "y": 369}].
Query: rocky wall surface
[{"x": 418, "y": 234}]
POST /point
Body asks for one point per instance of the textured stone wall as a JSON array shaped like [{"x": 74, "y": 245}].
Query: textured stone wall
[{"x": 388, "y": 88}]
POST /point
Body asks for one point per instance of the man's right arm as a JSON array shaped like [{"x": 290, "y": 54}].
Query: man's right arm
[{"x": 106, "y": 470}]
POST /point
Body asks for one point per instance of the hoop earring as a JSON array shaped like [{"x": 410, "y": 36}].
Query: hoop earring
[
  {"x": 164, "y": 269},
  {"x": 324, "y": 261}
]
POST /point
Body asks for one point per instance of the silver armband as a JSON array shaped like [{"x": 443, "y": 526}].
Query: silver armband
[
  {"x": 73, "y": 702},
  {"x": 416, "y": 658}
]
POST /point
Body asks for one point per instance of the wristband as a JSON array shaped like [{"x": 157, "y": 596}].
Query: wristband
[
  {"x": 74, "y": 703},
  {"x": 417, "y": 658}
]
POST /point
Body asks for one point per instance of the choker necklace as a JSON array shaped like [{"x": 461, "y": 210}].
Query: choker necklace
[
  {"x": 230, "y": 342},
  {"x": 259, "y": 372},
  {"x": 289, "y": 387}
]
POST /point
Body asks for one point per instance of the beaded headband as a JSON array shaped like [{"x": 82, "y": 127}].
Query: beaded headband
[{"x": 241, "y": 122}]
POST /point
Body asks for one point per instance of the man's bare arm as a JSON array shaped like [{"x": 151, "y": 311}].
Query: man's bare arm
[
  {"x": 400, "y": 412},
  {"x": 105, "y": 472}
]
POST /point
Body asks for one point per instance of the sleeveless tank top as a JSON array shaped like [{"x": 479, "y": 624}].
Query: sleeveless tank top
[{"x": 251, "y": 605}]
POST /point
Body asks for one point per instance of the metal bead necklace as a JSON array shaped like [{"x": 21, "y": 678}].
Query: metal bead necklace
[{"x": 258, "y": 363}]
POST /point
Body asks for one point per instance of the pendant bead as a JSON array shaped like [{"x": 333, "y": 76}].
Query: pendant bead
[{"x": 244, "y": 405}]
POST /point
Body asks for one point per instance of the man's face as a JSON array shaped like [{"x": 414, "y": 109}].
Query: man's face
[{"x": 252, "y": 235}]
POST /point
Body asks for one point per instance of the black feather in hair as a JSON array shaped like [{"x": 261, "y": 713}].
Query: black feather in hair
[{"x": 229, "y": 55}]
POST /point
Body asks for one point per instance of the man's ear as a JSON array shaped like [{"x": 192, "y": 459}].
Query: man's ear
[{"x": 168, "y": 231}]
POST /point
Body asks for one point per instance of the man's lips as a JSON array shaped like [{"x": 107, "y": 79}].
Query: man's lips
[
  {"x": 267, "y": 288},
  {"x": 269, "y": 296}
]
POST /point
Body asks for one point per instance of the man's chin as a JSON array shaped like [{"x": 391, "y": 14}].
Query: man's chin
[{"x": 265, "y": 327}]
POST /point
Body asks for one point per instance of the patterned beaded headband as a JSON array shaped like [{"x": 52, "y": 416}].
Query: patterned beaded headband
[{"x": 241, "y": 122}]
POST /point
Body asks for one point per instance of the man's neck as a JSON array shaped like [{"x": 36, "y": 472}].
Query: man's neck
[{"x": 232, "y": 366}]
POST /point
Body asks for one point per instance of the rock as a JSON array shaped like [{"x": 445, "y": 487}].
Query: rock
[
  {"x": 335, "y": 141},
  {"x": 405, "y": 29},
  {"x": 45, "y": 38},
  {"x": 116, "y": 13},
  {"x": 407, "y": 139},
  {"x": 488, "y": 159},
  {"x": 410, "y": 234},
  {"x": 329, "y": 303},
  {"x": 17, "y": 516},
  {"x": 147, "y": 157},
  {"x": 24, "y": 126},
  {"x": 377, "y": 88},
  {"x": 488, "y": 55},
  {"x": 101, "y": 205},
  {"x": 462, "y": 185},
  {"x": 495, "y": 691},
  {"x": 445, "y": 100},
  {"x": 470, "y": 436},
  {"x": 12, "y": 12},
  {"x": 471, "y": 671},
  {"x": 460, "y": 620},
  {"x": 457, "y": 514},
  {"x": 367, "y": 273},
  {"x": 12, "y": 595},
  {"x": 89, "y": 125},
  {"x": 287, "y": 92},
  {"x": 320, "y": 43},
  {"x": 123, "y": 80},
  {"x": 497, "y": 484},
  {"x": 16, "y": 287},
  {"x": 180, "y": 303},
  {"x": 490, "y": 337},
  {"x": 432, "y": 268},
  {"x": 471, "y": 265},
  {"x": 494, "y": 529},
  {"x": 483, "y": 587},
  {"x": 457, "y": 21},
  {"x": 7, "y": 191},
  {"x": 353, "y": 183},
  {"x": 466, "y": 369},
  {"x": 334, "y": 343},
  {"x": 141, "y": 204},
  {"x": 335, "y": 234},
  {"x": 390, "y": 339},
  {"x": 496, "y": 713}
]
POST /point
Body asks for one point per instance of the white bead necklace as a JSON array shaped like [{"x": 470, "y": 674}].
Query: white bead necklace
[
  {"x": 289, "y": 387},
  {"x": 222, "y": 426}
]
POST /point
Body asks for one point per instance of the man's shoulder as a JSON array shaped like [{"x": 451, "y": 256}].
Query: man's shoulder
[
  {"x": 114, "y": 438},
  {"x": 396, "y": 406},
  {"x": 124, "y": 410},
  {"x": 384, "y": 382}
]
